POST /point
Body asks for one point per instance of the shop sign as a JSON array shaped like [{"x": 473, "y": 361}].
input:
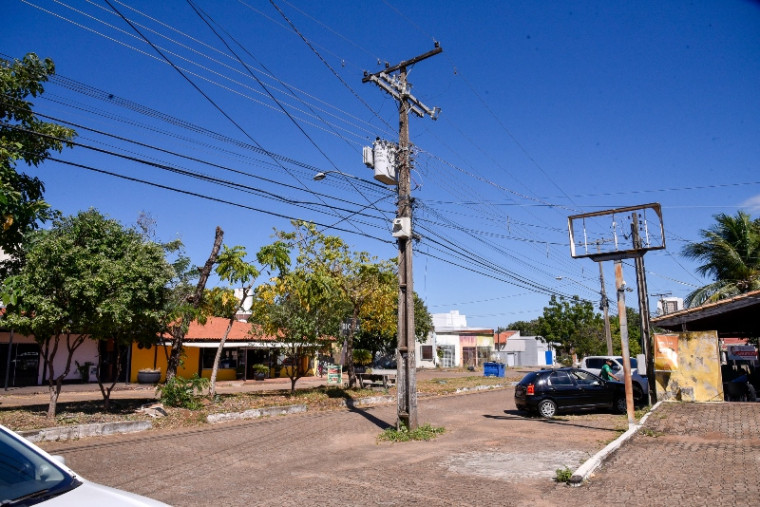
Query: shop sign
[
  {"x": 741, "y": 353},
  {"x": 334, "y": 374}
]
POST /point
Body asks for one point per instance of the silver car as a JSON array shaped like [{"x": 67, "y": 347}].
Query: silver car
[
  {"x": 593, "y": 364},
  {"x": 30, "y": 476}
]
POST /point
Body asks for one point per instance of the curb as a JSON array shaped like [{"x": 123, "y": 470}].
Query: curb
[
  {"x": 62, "y": 433},
  {"x": 586, "y": 469},
  {"x": 255, "y": 413}
]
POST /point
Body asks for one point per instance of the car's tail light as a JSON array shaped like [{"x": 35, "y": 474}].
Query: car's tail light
[{"x": 530, "y": 389}]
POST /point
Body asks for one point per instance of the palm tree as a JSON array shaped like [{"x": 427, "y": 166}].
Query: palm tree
[{"x": 731, "y": 255}]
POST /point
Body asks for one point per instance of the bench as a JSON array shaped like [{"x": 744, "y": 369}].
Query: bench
[{"x": 376, "y": 379}]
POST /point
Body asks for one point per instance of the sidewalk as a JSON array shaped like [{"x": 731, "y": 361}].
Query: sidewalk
[{"x": 39, "y": 395}]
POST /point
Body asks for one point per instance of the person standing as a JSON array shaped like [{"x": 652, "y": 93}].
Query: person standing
[{"x": 607, "y": 371}]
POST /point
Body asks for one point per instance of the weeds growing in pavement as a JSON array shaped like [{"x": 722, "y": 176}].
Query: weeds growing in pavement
[
  {"x": 425, "y": 432},
  {"x": 563, "y": 475}
]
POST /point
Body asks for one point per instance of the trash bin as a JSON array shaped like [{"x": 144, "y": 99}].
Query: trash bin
[{"x": 493, "y": 369}]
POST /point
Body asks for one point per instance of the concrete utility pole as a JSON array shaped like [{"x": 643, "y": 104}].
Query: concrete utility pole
[
  {"x": 406, "y": 381},
  {"x": 620, "y": 285}
]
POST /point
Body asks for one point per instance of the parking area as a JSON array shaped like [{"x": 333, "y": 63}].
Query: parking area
[{"x": 491, "y": 454}]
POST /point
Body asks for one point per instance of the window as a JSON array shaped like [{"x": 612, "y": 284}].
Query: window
[
  {"x": 594, "y": 362},
  {"x": 426, "y": 352},
  {"x": 584, "y": 377},
  {"x": 560, "y": 378},
  {"x": 228, "y": 359}
]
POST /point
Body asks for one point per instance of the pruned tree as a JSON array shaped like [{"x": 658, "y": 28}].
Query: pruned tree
[{"x": 186, "y": 304}]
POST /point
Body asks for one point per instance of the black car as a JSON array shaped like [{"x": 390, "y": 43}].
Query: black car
[{"x": 550, "y": 391}]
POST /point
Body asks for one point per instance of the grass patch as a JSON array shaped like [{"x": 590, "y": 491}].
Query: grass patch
[
  {"x": 563, "y": 474},
  {"x": 651, "y": 433},
  {"x": 425, "y": 432}
]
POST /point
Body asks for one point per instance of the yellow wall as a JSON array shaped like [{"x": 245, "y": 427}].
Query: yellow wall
[
  {"x": 143, "y": 358},
  {"x": 698, "y": 377},
  {"x": 221, "y": 373}
]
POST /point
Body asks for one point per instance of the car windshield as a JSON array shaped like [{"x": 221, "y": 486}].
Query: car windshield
[
  {"x": 634, "y": 363},
  {"x": 25, "y": 474}
]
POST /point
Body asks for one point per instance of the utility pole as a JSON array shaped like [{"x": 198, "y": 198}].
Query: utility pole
[
  {"x": 620, "y": 285},
  {"x": 647, "y": 342},
  {"x": 604, "y": 305},
  {"x": 406, "y": 378}
]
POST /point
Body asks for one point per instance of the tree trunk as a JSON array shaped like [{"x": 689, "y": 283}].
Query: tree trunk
[
  {"x": 217, "y": 358},
  {"x": 106, "y": 391},
  {"x": 178, "y": 333},
  {"x": 350, "y": 348}
]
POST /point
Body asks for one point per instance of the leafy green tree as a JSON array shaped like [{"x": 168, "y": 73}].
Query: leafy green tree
[
  {"x": 572, "y": 324},
  {"x": 730, "y": 254},
  {"x": 302, "y": 305},
  {"x": 23, "y": 137},
  {"x": 86, "y": 277},
  {"x": 233, "y": 268},
  {"x": 526, "y": 328}
]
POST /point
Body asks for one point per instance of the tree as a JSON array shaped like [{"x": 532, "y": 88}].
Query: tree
[
  {"x": 730, "y": 253},
  {"x": 364, "y": 286},
  {"x": 186, "y": 302},
  {"x": 526, "y": 328},
  {"x": 86, "y": 277},
  {"x": 23, "y": 137},
  {"x": 233, "y": 268},
  {"x": 302, "y": 305},
  {"x": 572, "y": 324}
]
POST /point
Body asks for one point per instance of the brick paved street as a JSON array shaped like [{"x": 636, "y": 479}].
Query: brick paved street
[{"x": 687, "y": 455}]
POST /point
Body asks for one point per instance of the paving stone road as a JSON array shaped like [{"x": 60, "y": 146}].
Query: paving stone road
[{"x": 688, "y": 454}]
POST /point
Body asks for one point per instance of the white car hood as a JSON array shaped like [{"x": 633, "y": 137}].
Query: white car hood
[{"x": 91, "y": 493}]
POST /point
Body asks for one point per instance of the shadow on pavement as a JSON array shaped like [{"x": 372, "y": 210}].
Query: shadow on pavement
[
  {"x": 516, "y": 415},
  {"x": 371, "y": 418}
]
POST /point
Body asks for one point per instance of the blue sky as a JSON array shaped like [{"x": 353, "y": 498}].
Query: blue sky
[{"x": 549, "y": 109}]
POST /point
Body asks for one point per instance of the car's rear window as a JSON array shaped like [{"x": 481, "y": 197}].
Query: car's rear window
[{"x": 530, "y": 378}]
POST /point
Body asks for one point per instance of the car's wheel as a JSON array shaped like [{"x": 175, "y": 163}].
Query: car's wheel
[
  {"x": 638, "y": 394},
  {"x": 547, "y": 408},
  {"x": 620, "y": 405}
]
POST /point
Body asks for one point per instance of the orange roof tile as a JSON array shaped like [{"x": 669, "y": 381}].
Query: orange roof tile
[{"x": 215, "y": 327}]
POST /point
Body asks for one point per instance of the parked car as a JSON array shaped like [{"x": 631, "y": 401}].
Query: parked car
[
  {"x": 563, "y": 389},
  {"x": 30, "y": 476},
  {"x": 593, "y": 364}
]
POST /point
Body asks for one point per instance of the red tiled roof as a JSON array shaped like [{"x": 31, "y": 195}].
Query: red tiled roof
[
  {"x": 501, "y": 338},
  {"x": 215, "y": 327}
]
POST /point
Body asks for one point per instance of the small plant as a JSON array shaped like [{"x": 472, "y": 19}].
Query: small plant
[
  {"x": 425, "y": 432},
  {"x": 651, "y": 433},
  {"x": 362, "y": 357},
  {"x": 563, "y": 475},
  {"x": 260, "y": 368},
  {"x": 180, "y": 392}
]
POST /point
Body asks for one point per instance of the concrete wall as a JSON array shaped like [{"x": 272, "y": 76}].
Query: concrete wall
[{"x": 698, "y": 377}]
